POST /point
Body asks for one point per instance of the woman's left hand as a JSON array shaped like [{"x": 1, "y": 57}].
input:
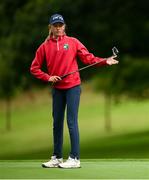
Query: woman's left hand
[{"x": 111, "y": 60}]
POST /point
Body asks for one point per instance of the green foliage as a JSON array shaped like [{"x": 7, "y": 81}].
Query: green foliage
[
  {"x": 129, "y": 77},
  {"x": 6, "y": 74},
  {"x": 98, "y": 24},
  {"x": 133, "y": 78}
]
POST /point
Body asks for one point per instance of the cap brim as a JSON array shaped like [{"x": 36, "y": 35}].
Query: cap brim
[{"x": 57, "y": 21}]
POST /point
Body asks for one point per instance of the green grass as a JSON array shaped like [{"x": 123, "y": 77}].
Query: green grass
[
  {"x": 91, "y": 169},
  {"x": 31, "y": 134}
]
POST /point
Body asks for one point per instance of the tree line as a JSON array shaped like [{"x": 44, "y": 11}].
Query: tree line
[{"x": 98, "y": 24}]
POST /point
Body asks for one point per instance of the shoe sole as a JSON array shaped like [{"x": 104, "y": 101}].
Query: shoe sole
[
  {"x": 44, "y": 166},
  {"x": 69, "y": 167}
]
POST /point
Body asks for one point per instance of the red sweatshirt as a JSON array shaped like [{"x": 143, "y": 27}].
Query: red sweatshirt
[{"x": 61, "y": 58}]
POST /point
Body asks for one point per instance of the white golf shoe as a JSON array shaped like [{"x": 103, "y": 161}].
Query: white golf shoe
[
  {"x": 54, "y": 162},
  {"x": 70, "y": 163}
]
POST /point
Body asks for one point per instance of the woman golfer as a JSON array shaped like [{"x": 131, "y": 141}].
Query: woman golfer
[{"x": 60, "y": 53}]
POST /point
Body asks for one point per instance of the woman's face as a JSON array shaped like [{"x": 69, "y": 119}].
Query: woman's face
[{"x": 58, "y": 29}]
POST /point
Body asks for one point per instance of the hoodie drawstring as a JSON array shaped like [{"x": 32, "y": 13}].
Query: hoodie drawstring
[{"x": 57, "y": 43}]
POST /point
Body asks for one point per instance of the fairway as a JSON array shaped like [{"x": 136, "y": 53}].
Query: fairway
[
  {"x": 32, "y": 128},
  {"x": 91, "y": 169}
]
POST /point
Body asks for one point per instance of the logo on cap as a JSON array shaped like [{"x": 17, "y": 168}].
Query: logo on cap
[{"x": 56, "y": 18}]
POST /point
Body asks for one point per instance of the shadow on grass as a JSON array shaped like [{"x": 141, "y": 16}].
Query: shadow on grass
[{"x": 133, "y": 145}]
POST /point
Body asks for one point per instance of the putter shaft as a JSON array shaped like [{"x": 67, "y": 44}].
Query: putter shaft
[{"x": 114, "y": 51}]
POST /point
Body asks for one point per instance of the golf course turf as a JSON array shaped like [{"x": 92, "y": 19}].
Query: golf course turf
[
  {"x": 90, "y": 169},
  {"x": 121, "y": 153}
]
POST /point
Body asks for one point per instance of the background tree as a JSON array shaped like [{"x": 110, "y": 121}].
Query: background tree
[{"x": 100, "y": 25}]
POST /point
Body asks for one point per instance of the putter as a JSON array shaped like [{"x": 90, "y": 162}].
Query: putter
[{"x": 114, "y": 51}]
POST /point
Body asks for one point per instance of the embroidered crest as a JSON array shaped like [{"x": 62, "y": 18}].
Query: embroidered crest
[{"x": 66, "y": 46}]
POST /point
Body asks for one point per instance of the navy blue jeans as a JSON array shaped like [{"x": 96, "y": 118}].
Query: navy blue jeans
[{"x": 66, "y": 99}]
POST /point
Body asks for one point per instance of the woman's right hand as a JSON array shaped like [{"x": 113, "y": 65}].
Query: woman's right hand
[{"x": 54, "y": 79}]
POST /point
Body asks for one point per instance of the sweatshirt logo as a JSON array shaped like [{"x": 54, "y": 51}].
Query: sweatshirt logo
[{"x": 66, "y": 46}]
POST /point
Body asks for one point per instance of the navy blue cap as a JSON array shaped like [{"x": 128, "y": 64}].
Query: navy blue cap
[{"x": 56, "y": 18}]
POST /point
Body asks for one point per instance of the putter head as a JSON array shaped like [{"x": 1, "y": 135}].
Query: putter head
[{"x": 115, "y": 51}]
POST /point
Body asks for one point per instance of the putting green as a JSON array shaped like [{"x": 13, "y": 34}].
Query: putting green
[{"x": 91, "y": 169}]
